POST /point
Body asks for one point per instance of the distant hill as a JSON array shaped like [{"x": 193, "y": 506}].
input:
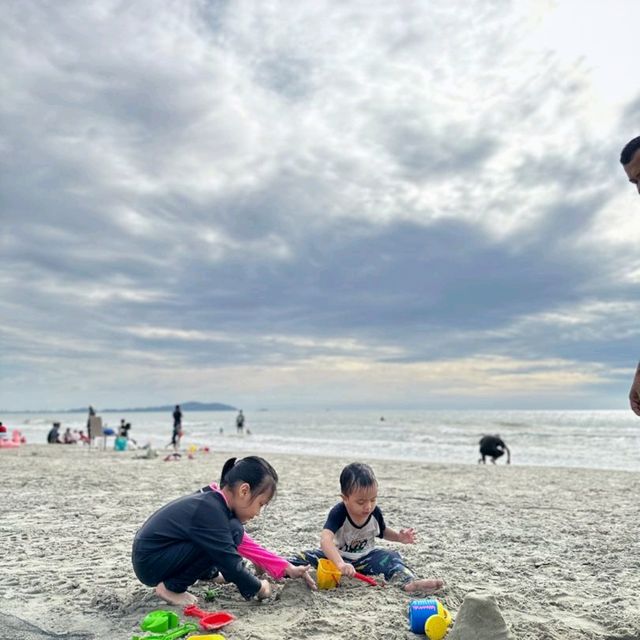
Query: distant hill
[{"x": 185, "y": 406}]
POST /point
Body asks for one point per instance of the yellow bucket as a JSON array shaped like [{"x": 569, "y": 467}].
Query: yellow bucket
[
  {"x": 436, "y": 627},
  {"x": 328, "y": 574}
]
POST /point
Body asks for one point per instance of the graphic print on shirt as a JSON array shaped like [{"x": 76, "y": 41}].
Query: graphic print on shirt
[{"x": 354, "y": 541}]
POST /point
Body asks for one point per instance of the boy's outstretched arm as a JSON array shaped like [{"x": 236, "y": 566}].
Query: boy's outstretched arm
[
  {"x": 329, "y": 549},
  {"x": 406, "y": 536}
]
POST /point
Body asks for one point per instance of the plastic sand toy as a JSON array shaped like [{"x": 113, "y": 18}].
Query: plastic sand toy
[
  {"x": 209, "y": 619},
  {"x": 329, "y": 575},
  {"x": 173, "y": 634},
  {"x": 159, "y": 621},
  {"x": 429, "y": 617}
]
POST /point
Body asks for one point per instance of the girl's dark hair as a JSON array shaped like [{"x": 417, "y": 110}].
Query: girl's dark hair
[
  {"x": 255, "y": 471},
  {"x": 356, "y": 475}
]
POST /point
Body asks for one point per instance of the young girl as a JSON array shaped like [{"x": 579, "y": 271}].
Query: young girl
[
  {"x": 200, "y": 535},
  {"x": 348, "y": 536}
]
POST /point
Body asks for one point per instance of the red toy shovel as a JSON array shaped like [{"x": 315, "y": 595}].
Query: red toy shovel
[
  {"x": 366, "y": 579},
  {"x": 209, "y": 619}
]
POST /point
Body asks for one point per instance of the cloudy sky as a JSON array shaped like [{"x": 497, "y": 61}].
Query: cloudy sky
[{"x": 318, "y": 204}]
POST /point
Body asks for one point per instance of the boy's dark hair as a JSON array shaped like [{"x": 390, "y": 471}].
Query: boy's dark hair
[
  {"x": 629, "y": 150},
  {"x": 255, "y": 471},
  {"x": 356, "y": 475}
]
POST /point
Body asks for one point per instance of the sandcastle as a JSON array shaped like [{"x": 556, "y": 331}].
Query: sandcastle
[{"x": 479, "y": 618}]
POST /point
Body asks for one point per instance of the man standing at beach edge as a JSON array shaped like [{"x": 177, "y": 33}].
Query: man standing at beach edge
[{"x": 630, "y": 160}]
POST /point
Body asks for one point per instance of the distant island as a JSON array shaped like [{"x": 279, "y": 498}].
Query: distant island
[{"x": 185, "y": 406}]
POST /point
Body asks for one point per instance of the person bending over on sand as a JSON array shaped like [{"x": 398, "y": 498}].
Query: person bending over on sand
[
  {"x": 201, "y": 535},
  {"x": 494, "y": 447},
  {"x": 348, "y": 536},
  {"x": 630, "y": 160}
]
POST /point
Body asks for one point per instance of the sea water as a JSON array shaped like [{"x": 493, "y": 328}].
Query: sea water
[{"x": 591, "y": 439}]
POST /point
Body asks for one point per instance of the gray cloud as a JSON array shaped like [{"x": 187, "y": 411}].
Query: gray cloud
[{"x": 214, "y": 185}]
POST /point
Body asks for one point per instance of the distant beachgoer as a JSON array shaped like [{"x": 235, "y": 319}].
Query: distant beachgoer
[
  {"x": 83, "y": 438},
  {"x": 123, "y": 431},
  {"x": 53, "y": 437},
  {"x": 177, "y": 428},
  {"x": 68, "y": 438},
  {"x": 3, "y": 432},
  {"x": 240, "y": 422},
  {"x": 630, "y": 160},
  {"x": 92, "y": 412},
  {"x": 177, "y": 417},
  {"x": 201, "y": 535},
  {"x": 348, "y": 536},
  {"x": 493, "y": 447}
]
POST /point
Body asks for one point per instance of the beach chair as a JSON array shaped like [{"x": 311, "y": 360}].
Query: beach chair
[{"x": 94, "y": 427}]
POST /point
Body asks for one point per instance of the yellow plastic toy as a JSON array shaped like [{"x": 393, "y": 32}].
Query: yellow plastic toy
[
  {"x": 429, "y": 617},
  {"x": 210, "y": 636},
  {"x": 328, "y": 574},
  {"x": 436, "y": 627}
]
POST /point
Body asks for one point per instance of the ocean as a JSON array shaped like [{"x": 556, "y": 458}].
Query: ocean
[{"x": 590, "y": 439}]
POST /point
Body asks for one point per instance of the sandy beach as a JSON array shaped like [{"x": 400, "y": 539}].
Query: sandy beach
[{"x": 558, "y": 548}]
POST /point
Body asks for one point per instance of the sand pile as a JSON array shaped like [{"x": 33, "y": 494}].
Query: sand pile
[{"x": 479, "y": 618}]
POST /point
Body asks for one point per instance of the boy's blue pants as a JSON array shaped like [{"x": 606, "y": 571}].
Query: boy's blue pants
[{"x": 377, "y": 561}]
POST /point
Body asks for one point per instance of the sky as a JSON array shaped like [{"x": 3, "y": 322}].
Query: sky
[{"x": 317, "y": 204}]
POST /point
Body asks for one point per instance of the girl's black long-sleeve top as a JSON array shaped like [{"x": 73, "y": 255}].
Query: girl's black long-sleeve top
[{"x": 205, "y": 520}]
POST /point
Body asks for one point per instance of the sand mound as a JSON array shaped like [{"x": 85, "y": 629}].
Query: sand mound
[{"x": 479, "y": 618}]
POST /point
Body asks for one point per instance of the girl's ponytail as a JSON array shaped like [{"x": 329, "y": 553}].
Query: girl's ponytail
[{"x": 228, "y": 465}]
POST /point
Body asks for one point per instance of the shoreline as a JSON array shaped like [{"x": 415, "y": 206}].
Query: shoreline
[
  {"x": 565, "y": 439},
  {"x": 551, "y": 544}
]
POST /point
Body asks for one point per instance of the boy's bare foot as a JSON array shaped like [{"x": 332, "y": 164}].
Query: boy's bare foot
[
  {"x": 181, "y": 599},
  {"x": 424, "y": 586}
]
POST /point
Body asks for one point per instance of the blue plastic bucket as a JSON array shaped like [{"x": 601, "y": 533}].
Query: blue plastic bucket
[{"x": 419, "y": 612}]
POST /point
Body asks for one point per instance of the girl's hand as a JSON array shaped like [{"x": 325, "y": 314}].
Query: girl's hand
[
  {"x": 302, "y": 572},
  {"x": 347, "y": 569},
  {"x": 265, "y": 590},
  {"x": 407, "y": 536}
]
